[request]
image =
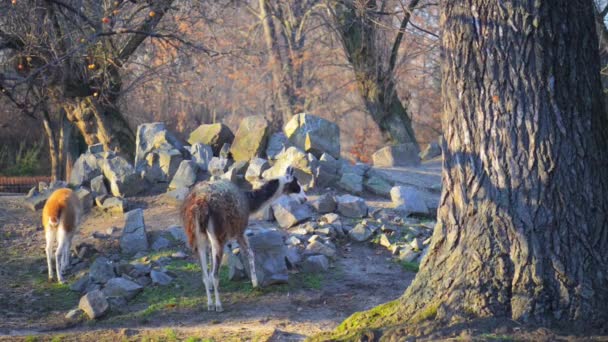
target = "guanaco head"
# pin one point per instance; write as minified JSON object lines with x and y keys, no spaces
{"x":292,"y":186}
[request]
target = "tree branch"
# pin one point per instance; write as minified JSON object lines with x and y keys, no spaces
{"x":395,"y":50}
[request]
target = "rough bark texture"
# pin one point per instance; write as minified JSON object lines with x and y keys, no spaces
{"x":522,"y":228}
{"x":356,"y":26}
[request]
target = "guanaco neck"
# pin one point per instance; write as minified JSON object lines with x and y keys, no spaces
{"x":261,"y":197}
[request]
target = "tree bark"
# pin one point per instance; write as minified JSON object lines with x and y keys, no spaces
{"x":522,"y":228}
{"x":356,"y":27}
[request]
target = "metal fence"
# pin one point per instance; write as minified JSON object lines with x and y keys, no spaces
{"x":20,"y":184}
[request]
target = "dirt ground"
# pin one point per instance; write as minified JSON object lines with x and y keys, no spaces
{"x":362,"y":277}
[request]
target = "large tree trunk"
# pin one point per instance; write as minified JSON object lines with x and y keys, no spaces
{"x":357,"y":28}
{"x":522,"y":228}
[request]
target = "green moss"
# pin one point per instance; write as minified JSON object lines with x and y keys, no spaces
{"x":31,"y":339}
{"x":410,"y":266}
{"x":429,"y":312}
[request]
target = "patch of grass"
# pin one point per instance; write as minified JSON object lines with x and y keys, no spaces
{"x":410,"y":266}
{"x":171,"y":335}
{"x":57,"y":338}
{"x":311,"y":280}
{"x":31,"y":339}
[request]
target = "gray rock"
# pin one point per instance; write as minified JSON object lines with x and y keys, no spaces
{"x":218,"y":166}
{"x":352,"y":183}
{"x":168,"y":163}
{"x":160,"y":243}
{"x":236,"y":269}
{"x":176,"y":196}
{"x":397,"y":155}
{"x":85,"y":168}
{"x":331,"y":218}
{"x":160,"y":278}
{"x":80,"y":284}
{"x":407,"y":254}
{"x":318,"y":247}
{"x":153,"y":137}
{"x":117,"y":304}
{"x":185,"y":176}
{"x":360,"y":233}
{"x":351,"y":206}
{"x":94,"y":304}
{"x":384,"y":241}
{"x":144,"y":281}
{"x":408,"y":200}
{"x":256,"y":167}
{"x":178,"y":234}
{"x":98,"y":187}
{"x":121,"y":176}
{"x":293,"y":241}
{"x":270,"y":255}
{"x":431,"y":151}
{"x":416,"y":244}
{"x":304,"y":168}
{"x":33,"y":192}
{"x":324,"y":204}
{"x":313,"y":134}
{"x":201,"y":155}
{"x":358,"y":169}
{"x":289,"y":212}
{"x":377,"y":185}
{"x":134,"y":238}
{"x":121,"y":287}
{"x":86,"y":199}
{"x":250,"y":139}
{"x":293,"y":257}
{"x":74,"y":314}
{"x":112,"y":204}
{"x":214,"y":135}
{"x":315,"y":264}
{"x":101,"y":271}
{"x":37,"y":202}
{"x":277,"y":143}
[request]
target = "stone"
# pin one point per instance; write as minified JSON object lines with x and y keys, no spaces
{"x":352,"y":183}
{"x":185,"y":176}
{"x":160,"y":278}
{"x":177,"y":232}
{"x":250,"y":139}
{"x":330,"y":218}
{"x":214,"y":135}
{"x":292,"y":257}
{"x":85,"y":168}
{"x":160,"y":243}
{"x":360,"y":233}
{"x":98,"y":186}
{"x":416,"y":244}
{"x":86,"y":198}
{"x":37,"y":202}
{"x":134,"y":238}
{"x":358,"y":169}
{"x":431,"y":151}
{"x":218,"y":166}
{"x":277,"y":143}
{"x":315,"y":264}
{"x":304,"y":169}
{"x":236,"y":269}
{"x":121,"y":287}
{"x":225,"y":152}
{"x":123,"y":179}
{"x":33,"y":192}
{"x":270,"y":255}
{"x":113,"y":204}
{"x":378,"y":185}
{"x":384,"y":241}
{"x":140,"y":270}
{"x":176,"y":196}
{"x":74,"y":314}
{"x":324,"y":204}
{"x":144,"y":281}
{"x":318,"y":247}
{"x":408,"y":200}
{"x":154,"y":138}
{"x":293,"y":241}
{"x":313,"y":134}
{"x":289,"y":212}
{"x":352,"y":206}
{"x":101,"y":271}
{"x":407,"y":254}
{"x":201,"y":155}
{"x":397,"y":155}
{"x":94,"y":304}
{"x":80,"y":284}
{"x":257,"y":166}
{"x":168,"y":163}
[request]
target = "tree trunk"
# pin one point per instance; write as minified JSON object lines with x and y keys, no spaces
{"x":357,"y":28}
{"x":522,"y":228}
{"x":101,"y":124}
{"x":53,"y":150}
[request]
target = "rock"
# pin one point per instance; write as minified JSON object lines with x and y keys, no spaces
{"x":134,"y":238}
{"x":185,"y":176}
{"x":33,"y":192}
{"x":117,"y":304}
{"x":351,"y":206}
{"x":352,"y":183}
{"x":250,"y":139}
{"x":256,"y":167}
{"x":289,"y":212}
{"x":113,"y":204}
{"x":270,"y":255}
{"x":327,"y":231}
{"x":313,"y":134}
{"x":360,"y":233}
{"x":324,"y":204}
{"x":358,"y":169}
{"x":121,"y":287}
{"x":80,"y":285}
{"x":378,"y":185}
{"x":94,"y":304}
{"x":201,"y":155}
{"x":407,"y":254}
{"x":293,"y":241}
{"x":416,"y":244}
{"x":168,"y":163}
{"x":293,"y":257}
{"x":98,"y":186}
{"x":37,"y":202}
{"x":218,"y":166}
{"x":236,"y":269}
{"x":384,"y":241}
{"x":121,"y":176}
{"x":318,"y":247}
{"x":330,"y":218}
{"x":74,"y":314}
{"x":86,"y":199}
{"x":101,"y":271}
{"x":277,"y":143}
{"x":176,"y":196}
{"x":408,"y":200}
{"x":214,"y":135}
{"x":140,"y":270}
{"x":397,"y":155}
{"x":160,"y":278}
{"x":304,"y":168}
{"x":179,"y":255}
{"x":431,"y":151}
{"x":315,"y":263}
{"x":144,"y":281}
{"x":85,"y":168}
{"x":153,"y":138}
{"x":178,"y":234}
{"x":160,"y":243}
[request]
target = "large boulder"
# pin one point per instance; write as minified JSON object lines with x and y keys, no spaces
{"x":84,"y":170}
{"x":377,"y":184}
{"x":304,"y":166}
{"x":153,"y":137}
{"x":270,"y":253}
{"x":214,"y":135}
{"x":121,"y":287}
{"x":351,"y":182}
{"x":98,"y":186}
{"x":409,"y":200}
{"x":313,"y":134}
{"x":134,"y":238}
{"x":185,"y":175}
{"x":257,"y":166}
{"x":250,"y":139}
{"x":94,"y":304}
{"x":328,"y":171}
{"x":123,"y":179}
{"x":315,"y":264}
{"x":397,"y":155}
{"x":289,"y":212}
{"x":201,"y":155}
{"x":86,"y":198}
{"x":324,"y":204}
{"x":277,"y":143}
{"x":352,"y":206}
